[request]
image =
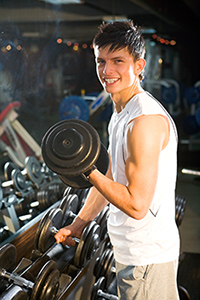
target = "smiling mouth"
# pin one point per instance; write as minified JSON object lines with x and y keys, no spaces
{"x":110,"y":80}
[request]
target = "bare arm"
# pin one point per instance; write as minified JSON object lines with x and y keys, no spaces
{"x":95,"y":202}
{"x":146,"y":138}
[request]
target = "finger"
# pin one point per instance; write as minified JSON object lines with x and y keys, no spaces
{"x":61,"y":235}
{"x":69,"y":241}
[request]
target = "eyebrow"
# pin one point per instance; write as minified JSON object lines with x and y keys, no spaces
{"x":113,"y":58}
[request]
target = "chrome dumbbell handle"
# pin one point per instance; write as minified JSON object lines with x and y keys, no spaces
{"x":100,"y":293}
{"x":16,"y":279}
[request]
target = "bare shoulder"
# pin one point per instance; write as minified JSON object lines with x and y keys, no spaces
{"x":151,"y":128}
{"x":150,"y":120}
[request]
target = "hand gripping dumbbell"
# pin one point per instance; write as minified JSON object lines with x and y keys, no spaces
{"x":45,"y":285}
{"x":105,"y":266}
{"x":98,"y":291}
{"x":68,"y":206}
{"x":71,"y":149}
{"x":50,"y":224}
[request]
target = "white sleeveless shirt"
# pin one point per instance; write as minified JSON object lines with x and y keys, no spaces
{"x":155,"y":238}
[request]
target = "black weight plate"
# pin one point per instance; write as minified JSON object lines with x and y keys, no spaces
{"x":109,"y":263}
{"x":70,"y":147}
{"x":67,"y":191}
{"x":77,"y":256}
{"x":93,"y":241}
{"x":46,"y":238}
{"x":51,"y":286}
{"x":20,"y":295}
{"x":40,"y":226}
{"x":14,"y":292}
{"x":89,"y":242}
{"x":33,"y":169}
{"x":100,"y":266}
{"x":102,"y":221}
{"x":79,"y":181}
{"x":41,"y":278}
{"x":68,"y":205}
{"x":8,"y":168}
{"x":8,"y":255}
{"x":96,"y":270}
{"x":99,"y":285}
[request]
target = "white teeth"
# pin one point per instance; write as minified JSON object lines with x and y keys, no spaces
{"x":110,"y":80}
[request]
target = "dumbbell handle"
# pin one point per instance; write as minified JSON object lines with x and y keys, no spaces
{"x":100,"y":293}
{"x":16,"y":279}
{"x":54,"y":230}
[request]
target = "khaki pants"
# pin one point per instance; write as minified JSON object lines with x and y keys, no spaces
{"x":151,"y":282}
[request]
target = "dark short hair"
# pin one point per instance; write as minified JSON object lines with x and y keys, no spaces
{"x":119,"y":35}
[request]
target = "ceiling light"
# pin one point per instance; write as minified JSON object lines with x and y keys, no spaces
{"x":58,"y":2}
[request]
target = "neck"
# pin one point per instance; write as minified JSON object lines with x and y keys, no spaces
{"x":122,"y":98}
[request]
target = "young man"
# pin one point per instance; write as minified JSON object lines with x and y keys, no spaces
{"x":140,"y":182}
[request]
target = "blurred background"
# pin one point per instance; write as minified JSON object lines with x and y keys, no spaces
{"x":46,"y":57}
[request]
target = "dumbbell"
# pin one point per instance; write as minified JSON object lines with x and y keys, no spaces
{"x":101,"y":219}
{"x":71,"y":148}
{"x":68,"y":205}
{"x":46,"y":284}
{"x":17,"y":182}
{"x":32,"y":170}
{"x":98,"y":293}
{"x":50,"y":224}
{"x":180,"y":205}
{"x":105,"y":266}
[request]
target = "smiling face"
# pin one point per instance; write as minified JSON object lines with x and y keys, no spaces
{"x":117,"y":72}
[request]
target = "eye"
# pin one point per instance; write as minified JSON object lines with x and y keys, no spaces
{"x":100,"y":61}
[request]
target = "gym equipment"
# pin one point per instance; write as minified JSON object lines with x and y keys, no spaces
{"x":98,"y":293}
{"x":14,"y":138}
{"x":101,"y":219}
{"x":49,"y":226}
{"x":67,"y":210}
{"x":18,"y":183}
{"x":192,"y":95}
{"x":71,"y":148}
{"x":46,"y":284}
{"x":180,"y":205}
{"x":190,"y":125}
{"x":14,"y":292}
{"x":8,"y":254}
{"x":31,"y":172}
{"x":168,"y":91}
{"x":69,"y":207}
{"x":74,"y":107}
{"x":183,"y":293}
{"x":197,"y":116}
{"x":105,"y":266}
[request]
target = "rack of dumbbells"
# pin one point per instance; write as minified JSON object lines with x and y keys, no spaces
{"x":52,"y":270}
{"x":24,"y":194}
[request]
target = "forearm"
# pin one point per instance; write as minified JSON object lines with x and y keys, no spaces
{"x":94,"y":203}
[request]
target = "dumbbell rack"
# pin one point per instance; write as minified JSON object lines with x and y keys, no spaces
{"x":73,"y":280}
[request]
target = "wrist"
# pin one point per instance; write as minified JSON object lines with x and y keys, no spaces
{"x":87,"y":173}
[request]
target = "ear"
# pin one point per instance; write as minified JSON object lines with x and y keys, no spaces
{"x":139,"y":66}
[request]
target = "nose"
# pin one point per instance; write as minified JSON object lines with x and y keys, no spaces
{"x":107,"y":68}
